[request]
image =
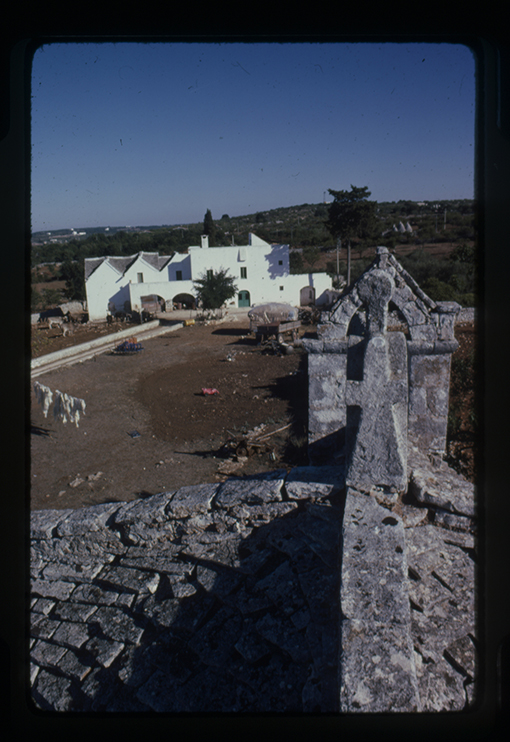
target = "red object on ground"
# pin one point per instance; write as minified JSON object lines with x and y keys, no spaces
{"x":209,"y":391}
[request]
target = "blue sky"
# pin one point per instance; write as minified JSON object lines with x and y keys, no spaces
{"x":132,"y":134}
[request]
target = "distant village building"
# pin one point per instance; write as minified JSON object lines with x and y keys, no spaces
{"x":261,"y":271}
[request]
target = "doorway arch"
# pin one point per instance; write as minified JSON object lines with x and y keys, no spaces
{"x":184,"y":301}
{"x":307,"y":296}
{"x":243,"y":299}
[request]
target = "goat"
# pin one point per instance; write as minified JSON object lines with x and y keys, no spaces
{"x":59,"y":322}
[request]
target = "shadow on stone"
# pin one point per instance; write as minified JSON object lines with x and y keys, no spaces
{"x":229,"y":618}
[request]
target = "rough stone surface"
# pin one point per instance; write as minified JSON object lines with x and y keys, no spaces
{"x":441,"y":487}
{"x":213,"y":598}
{"x":335,"y":358}
{"x":377,"y":665}
{"x":377,"y":450}
{"x":221,"y":614}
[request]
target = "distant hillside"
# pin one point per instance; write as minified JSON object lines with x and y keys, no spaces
{"x":298,"y":226}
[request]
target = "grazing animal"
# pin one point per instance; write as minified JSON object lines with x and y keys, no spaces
{"x":59,"y":322}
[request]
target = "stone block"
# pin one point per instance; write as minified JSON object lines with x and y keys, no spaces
{"x":376,"y":646}
{"x":126,"y":578}
{"x":373,"y":535}
{"x":88,"y":519}
{"x":75,"y":612}
{"x":305,"y":482}
{"x":46,"y":654}
{"x":95,"y":595}
{"x":446,"y":491}
{"x":52,"y":692}
{"x":117,"y":625}
{"x":52,"y":589}
{"x":326,"y":391}
{"x":429,"y":371}
{"x":44,"y":523}
{"x":192,"y":500}
{"x":149,"y":511}
{"x":441,"y":687}
{"x":251,"y":490}
{"x":77,"y":573}
{"x":377,"y":450}
{"x":74,"y":667}
{"x":71,"y":634}
{"x":251,"y":645}
{"x":377,"y":669}
{"x":103,"y":651}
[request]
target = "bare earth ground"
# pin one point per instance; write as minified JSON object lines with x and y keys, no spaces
{"x":184,"y":437}
{"x":158,"y":393}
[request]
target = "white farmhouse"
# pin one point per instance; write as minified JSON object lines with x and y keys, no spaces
{"x":261,"y":272}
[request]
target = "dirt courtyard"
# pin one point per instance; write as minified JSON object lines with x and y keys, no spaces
{"x":148,"y":428}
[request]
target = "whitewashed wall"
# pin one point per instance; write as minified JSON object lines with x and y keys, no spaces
{"x":267,"y":279}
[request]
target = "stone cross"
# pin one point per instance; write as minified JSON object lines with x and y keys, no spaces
{"x":377,"y":450}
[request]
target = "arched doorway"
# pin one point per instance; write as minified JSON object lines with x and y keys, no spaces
{"x":184,"y":301}
{"x":243,"y":299}
{"x":152,"y":303}
{"x":307,"y":296}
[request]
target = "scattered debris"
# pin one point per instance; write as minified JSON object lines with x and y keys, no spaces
{"x":76,"y":481}
{"x":238,"y":449}
{"x":93,"y":477}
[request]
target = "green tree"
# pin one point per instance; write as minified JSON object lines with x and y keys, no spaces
{"x":73,"y":273}
{"x":311,"y":255}
{"x":213,"y":289}
{"x":210,"y":228}
{"x":351,"y":215}
{"x":52,"y":298}
{"x":36,"y":300}
{"x":296,"y":262}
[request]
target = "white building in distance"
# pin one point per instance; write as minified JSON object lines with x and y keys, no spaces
{"x":261,"y":272}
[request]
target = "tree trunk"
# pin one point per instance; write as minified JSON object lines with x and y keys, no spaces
{"x":348,"y":262}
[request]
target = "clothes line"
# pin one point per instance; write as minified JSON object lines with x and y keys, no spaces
{"x":65,"y":408}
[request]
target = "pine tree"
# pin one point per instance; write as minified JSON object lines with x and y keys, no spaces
{"x":210,"y":228}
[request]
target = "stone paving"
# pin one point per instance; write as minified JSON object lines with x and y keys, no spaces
{"x":225,"y":597}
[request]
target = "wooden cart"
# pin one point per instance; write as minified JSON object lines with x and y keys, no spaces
{"x":278,"y":330}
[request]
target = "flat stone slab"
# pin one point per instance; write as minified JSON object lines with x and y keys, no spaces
{"x":88,"y":519}
{"x":304,"y":482}
{"x":378,"y":672}
{"x":192,"y":500}
{"x":43,"y":523}
{"x":376,"y":617}
{"x":251,"y":490}
{"x":440,"y":488}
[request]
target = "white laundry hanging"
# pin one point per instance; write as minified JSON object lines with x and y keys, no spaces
{"x":68,"y":408}
{"x":44,"y":396}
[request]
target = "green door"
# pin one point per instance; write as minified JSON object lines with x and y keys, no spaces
{"x":244,"y":299}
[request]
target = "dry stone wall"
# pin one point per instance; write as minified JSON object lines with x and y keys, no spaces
{"x":226,"y":598}
{"x":372,"y":394}
{"x":344,"y":587}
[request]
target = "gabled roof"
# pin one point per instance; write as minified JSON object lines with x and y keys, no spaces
{"x":122,"y":263}
{"x":90,"y":265}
